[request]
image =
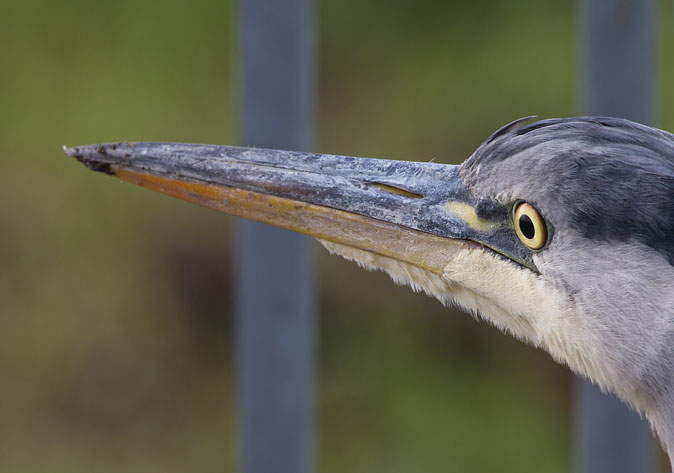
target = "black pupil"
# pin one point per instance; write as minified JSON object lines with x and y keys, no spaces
{"x":527,"y":227}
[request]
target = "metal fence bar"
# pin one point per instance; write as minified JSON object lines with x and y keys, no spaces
{"x":618,"y":61}
{"x":275,"y":321}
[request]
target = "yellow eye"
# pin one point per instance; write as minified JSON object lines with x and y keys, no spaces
{"x":530,"y":226}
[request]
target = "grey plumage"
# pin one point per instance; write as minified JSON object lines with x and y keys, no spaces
{"x":610,"y":178}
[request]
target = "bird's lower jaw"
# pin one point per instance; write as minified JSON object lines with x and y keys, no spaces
{"x":429,"y":253}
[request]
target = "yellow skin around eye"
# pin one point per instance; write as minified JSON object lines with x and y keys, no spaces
{"x":540,"y":232}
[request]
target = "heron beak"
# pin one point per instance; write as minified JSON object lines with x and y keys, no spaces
{"x":409,"y":211}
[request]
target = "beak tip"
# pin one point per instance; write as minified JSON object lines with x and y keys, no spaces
{"x":73,"y":152}
{"x":88,"y":158}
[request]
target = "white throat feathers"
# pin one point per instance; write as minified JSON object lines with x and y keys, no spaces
{"x":538,"y":310}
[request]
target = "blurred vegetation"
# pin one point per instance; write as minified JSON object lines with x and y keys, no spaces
{"x":115,"y":323}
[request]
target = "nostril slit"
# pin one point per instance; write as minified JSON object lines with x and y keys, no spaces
{"x":397,"y":190}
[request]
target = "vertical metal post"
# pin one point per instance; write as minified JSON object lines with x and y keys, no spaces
{"x":618,"y":60}
{"x":275,"y":322}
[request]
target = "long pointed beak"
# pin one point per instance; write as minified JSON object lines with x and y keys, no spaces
{"x":409,"y":211}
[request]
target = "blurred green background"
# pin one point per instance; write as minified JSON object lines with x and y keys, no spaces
{"x":115,"y":303}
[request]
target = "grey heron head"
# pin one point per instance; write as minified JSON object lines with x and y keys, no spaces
{"x":560,"y":232}
{"x":605,"y":189}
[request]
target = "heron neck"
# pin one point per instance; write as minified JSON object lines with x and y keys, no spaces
{"x":663,"y":422}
